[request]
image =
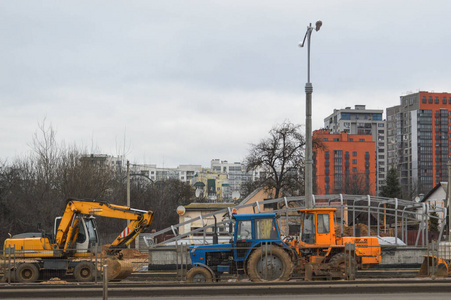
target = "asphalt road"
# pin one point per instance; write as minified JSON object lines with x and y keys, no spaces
{"x":398,"y":296}
{"x":412,"y":289}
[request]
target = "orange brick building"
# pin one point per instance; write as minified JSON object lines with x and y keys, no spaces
{"x":346,"y":165}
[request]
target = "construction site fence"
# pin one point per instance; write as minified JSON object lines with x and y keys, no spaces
{"x":381,"y":216}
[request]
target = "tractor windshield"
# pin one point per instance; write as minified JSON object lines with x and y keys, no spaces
{"x":244,"y":231}
{"x":265,"y":229}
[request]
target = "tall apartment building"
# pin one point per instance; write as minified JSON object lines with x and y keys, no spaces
{"x":418,"y":139}
{"x":346,"y":165}
{"x":363,"y":121}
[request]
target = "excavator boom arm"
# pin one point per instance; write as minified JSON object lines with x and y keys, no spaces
{"x":139,"y":220}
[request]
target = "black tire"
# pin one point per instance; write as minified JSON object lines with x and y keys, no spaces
{"x":27,"y":273}
{"x":199,"y":275}
{"x":338,"y":262}
{"x":84,"y":272}
{"x":269,"y":264}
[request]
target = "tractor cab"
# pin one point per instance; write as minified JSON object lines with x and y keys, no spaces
{"x":252,"y":230}
{"x":317,"y":227}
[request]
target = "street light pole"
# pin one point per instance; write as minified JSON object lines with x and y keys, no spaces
{"x":308,"y":122}
{"x":449,"y":198}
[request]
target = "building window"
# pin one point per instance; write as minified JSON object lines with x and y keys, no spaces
{"x":444,"y":100}
{"x":325,"y":139}
{"x":354,"y":161}
{"x":430,"y":100}
{"x":436,"y":100}
{"x":354,"y":153}
{"x":377,"y":117}
{"x":424,"y":99}
{"x":361,"y":140}
{"x":351,"y":140}
{"x":336,"y":140}
{"x":345,"y":116}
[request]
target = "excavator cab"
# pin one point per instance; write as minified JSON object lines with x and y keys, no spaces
{"x":85,"y":233}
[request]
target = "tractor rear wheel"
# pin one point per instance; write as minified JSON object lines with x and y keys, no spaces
{"x":199,"y":275}
{"x":27,"y":273}
{"x":269,"y":264}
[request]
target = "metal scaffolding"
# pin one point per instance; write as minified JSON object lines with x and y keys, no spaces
{"x":382,"y":216}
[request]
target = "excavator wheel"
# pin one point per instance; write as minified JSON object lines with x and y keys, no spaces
{"x":84,"y":272}
{"x":269,"y":264}
{"x":118,"y":269}
{"x":199,"y":275}
{"x":27,"y":273}
{"x":338,"y":263}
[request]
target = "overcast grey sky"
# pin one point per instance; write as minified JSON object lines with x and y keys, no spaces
{"x":184,"y":82}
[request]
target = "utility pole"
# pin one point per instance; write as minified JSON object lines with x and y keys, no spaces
{"x":128,"y":192}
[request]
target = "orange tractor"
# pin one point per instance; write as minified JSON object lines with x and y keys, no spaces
{"x":322,"y":253}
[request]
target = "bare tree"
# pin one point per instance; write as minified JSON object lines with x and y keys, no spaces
{"x":282,"y":157}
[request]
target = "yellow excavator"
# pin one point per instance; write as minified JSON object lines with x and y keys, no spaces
{"x":73,"y":240}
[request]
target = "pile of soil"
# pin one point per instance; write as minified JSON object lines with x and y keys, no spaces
{"x":55,"y":280}
{"x":347,"y":230}
{"x":133,"y":253}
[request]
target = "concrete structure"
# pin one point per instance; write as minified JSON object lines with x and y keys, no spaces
{"x":346,"y":166}
{"x":418,"y":139}
{"x":363,"y":121}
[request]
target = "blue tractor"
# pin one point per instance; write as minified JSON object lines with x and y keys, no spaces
{"x":255,"y":250}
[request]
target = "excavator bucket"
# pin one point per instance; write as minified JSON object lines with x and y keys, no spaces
{"x":118,"y":269}
{"x":432,"y":265}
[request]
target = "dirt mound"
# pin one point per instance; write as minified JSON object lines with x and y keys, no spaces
{"x":348,"y":231}
{"x":55,"y":280}
{"x":133,"y":253}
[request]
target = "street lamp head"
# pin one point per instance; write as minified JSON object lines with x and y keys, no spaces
{"x":318,"y":25}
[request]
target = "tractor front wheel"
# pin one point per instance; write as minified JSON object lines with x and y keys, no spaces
{"x":270,"y":263}
{"x":199,"y":275}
